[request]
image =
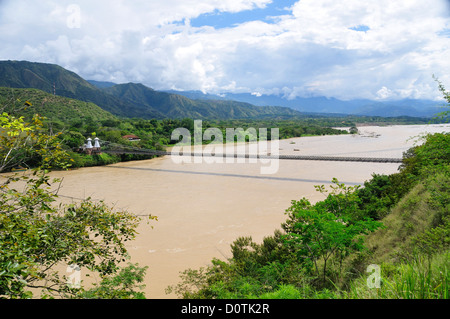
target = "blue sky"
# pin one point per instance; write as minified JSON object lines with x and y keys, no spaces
{"x":345,"y":49}
{"x":362,"y":28}
{"x":219,"y":19}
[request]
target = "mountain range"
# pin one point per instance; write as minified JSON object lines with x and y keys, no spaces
{"x":138,"y":100}
{"x":130,"y":99}
{"x":326,"y":105}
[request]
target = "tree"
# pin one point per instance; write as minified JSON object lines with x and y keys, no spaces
{"x":123,"y":285}
{"x":444,"y":115}
{"x":353,"y":130}
{"x":433,"y":153}
{"x":329,"y":228}
{"x":24,"y":143}
{"x":73,"y":139}
{"x":377,"y":196}
{"x":35,"y":234}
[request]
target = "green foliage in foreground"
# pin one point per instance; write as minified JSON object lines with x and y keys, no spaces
{"x":37,"y":237}
{"x":399,"y":222}
{"x":126,"y":284}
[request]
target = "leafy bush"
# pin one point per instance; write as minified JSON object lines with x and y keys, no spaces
{"x":123,"y":285}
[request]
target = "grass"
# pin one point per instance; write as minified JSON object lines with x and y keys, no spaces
{"x":413,"y":247}
{"x":421,"y":278}
{"x":410,"y":217}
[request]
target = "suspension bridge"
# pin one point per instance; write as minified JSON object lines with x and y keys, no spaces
{"x":112,"y":148}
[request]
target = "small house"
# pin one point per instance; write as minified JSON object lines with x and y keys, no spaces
{"x":131,"y":137}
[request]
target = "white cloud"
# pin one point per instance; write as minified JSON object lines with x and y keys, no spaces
{"x":384,"y":93}
{"x":313,"y":50}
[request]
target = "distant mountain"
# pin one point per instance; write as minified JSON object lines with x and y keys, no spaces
{"x":101,"y":84}
{"x":127,"y":100}
{"x":415,"y":108}
{"x":405,"y":107}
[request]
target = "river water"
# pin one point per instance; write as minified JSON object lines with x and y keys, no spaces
{"x":202,"y":207}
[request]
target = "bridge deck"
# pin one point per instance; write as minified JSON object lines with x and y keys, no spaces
{"x":282,"y":157}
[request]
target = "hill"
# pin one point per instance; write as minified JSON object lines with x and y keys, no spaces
{"x":178,"y":106}
{"x":55,"y":108}
{"x":52,"y":78}
{"x":127,"y":100}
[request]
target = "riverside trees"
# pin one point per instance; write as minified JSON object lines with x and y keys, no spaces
{"x":331,"y":228}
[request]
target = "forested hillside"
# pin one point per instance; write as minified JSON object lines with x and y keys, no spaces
{"x":59,"y":110}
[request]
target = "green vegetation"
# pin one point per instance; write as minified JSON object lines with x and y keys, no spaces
{"x":176,"y":106}
{"x":57,"y":109}
{"x":52,"y":78}
{"x":444,"y":115}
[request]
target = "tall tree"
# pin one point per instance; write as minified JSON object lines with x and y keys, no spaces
{"x":329,"y":228}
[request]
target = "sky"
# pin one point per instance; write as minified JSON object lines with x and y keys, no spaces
{"x":346,"y":49}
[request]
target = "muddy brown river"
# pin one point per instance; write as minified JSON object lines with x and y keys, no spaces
{"x":202,"y":207}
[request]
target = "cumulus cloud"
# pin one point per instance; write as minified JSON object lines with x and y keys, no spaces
{"x":345,"y":49}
